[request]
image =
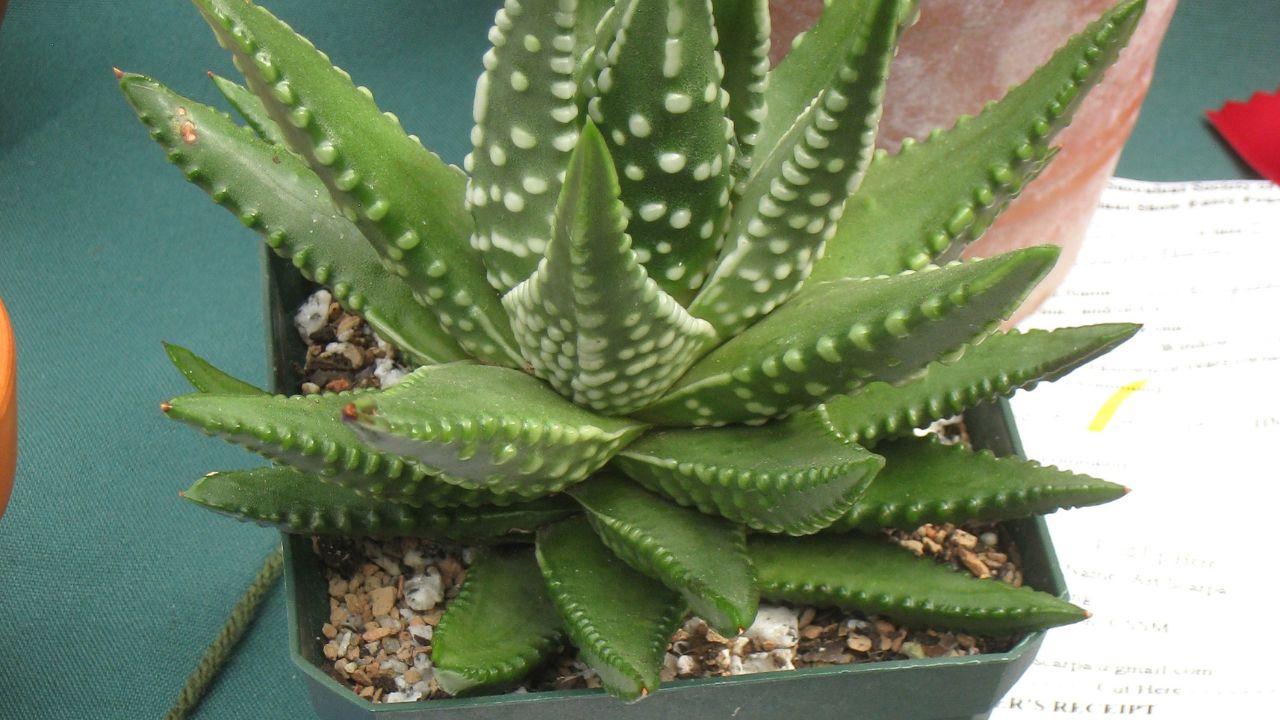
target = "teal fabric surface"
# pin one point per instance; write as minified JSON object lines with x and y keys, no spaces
{"x":1215,"y":51}
{"x":110,"y":585}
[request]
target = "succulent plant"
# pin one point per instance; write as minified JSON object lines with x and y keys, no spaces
{"x":674,"y":324}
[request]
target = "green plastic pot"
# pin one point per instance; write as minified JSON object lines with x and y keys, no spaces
{"x":933,"y":689}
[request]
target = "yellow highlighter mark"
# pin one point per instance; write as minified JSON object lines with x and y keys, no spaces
{"x":1112,"y":404}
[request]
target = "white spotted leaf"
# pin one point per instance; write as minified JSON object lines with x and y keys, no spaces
{"x":619,"y":619}
{"x":791,"y":476}
{"x":994,"y":368}
{"x":927,"y":202}
{"x":742,"y":27}
{"x":925,"y":481}
{"x":702,"y":557}
{"x":590,"y":321}
{"x":796,"y":192}
{"x":658,"y":101}
{"x":406,"y":201}
{"x":526,"y":124}
{"x":489,"y":428}
{"x":833,"y":337}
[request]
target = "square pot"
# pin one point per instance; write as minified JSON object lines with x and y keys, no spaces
{"x":931,"y":689}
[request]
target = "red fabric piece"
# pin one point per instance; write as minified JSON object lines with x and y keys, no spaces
{"x":1252,"y":128}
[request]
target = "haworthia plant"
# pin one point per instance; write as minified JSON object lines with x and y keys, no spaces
{"x":675,"y":298}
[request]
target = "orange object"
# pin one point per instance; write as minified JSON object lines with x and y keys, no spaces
{"x":8,"y":408}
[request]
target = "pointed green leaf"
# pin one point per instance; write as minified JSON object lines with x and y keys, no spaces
{"x":814,"y":61}
{"x":873,"y":576}
{"x":590,"y":13}
{"x":307,"y":432}
{"x":742,"y":30}
{"x":206,"y":378}
{"x":526,"y":123}
{"x":491,"y":428}
{"x":790,"y":476}
{"x":501,"y":625}
{"x":796,"y":193}
{"x":996,"y":367}
{"x":925,"y":481}
{"x":298,"y":502}
{"x":249,"y":107}
{"x":659,"y":104}
{"x":619,"y":619}
{"x":835,"y":336}
{"x":595,"y":57}
{"x":406,"y":201}
{"x":273,"y":192}
{"x":701,"y":557}
{"x":929,"y":201}
{"x":590,"y":320}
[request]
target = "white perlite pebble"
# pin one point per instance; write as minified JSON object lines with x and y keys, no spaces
{"x":399,"y":697}
{"x":313,"y":314}
{"x":422,"y":632}
{"x":414,"y":559}
{"x":387,"y":372}
{"x":686,"y":664}
{"x":423,"y":592}
{"x":779,"y":659}
{"x":775,"y":625}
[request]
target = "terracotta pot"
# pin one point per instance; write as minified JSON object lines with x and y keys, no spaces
{"x":8,"y":409}
{"x":963,"y":53}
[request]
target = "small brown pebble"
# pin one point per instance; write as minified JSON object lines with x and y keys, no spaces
{"x":348,"y":326}
{"x":383,"y":600}
{"x":381,"y":652}
{"x":915,"y":546}
{"x":338,"y":385}
{"x":353,"y":355}
{"x":355,"y":605}
{"x":934,"y":651}
{"x":975,"y":566}
{"x":806,"y":617}
{"x":964,"y":539}
{"x":715,"y":637}
{"x":858,"y":643}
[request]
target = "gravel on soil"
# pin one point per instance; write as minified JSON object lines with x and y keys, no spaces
{"x":387,"y":596}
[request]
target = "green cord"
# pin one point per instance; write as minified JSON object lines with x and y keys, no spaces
{"x":219,"y":651}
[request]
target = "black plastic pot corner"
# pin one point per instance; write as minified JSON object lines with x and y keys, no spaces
{"x":932,"y":689}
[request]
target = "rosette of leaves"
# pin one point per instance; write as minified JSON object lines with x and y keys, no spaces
{"x":675,"y":321}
